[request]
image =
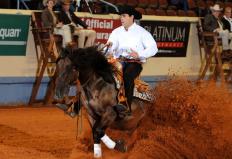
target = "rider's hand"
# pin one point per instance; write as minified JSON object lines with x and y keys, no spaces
{"x":109,"y":56}
{"x":134,"y":54}
{"x":217,"y":30}
{"x":59,"y":25}
{"x":109,"y":44}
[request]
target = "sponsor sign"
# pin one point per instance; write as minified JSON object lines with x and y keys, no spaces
{"x":103,"y":27}
{"x":13,"y":34}
{"x":171,"y":37}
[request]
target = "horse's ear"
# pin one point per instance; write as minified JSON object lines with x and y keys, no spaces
{"x":64,"y":53}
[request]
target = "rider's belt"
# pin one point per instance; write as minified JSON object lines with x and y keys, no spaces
{"x":124,"y":59}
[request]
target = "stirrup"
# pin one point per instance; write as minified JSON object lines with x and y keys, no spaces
{"x":122,"y":111}
{"x":128,"y":111}
{"x":120,"y":107}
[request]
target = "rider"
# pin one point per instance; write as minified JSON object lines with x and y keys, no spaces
{"x":131,"y":41}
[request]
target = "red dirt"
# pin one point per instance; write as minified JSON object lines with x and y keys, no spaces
{"x":187,"y":120}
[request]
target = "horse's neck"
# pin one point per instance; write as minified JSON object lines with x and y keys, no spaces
{"x":86,"y":82}
{"x":86,"y":77}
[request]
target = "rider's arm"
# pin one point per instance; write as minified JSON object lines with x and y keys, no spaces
{"x":113,"y":41}
{"x":149,"y":45}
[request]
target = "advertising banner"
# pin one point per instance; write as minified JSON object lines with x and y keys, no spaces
{"x":13,"y":34}
{"x":171,"y":37}
{"x":103,"y":27}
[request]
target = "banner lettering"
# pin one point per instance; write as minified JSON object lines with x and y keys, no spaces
{"x":13,"y":34}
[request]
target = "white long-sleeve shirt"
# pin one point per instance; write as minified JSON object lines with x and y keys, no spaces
{"x":135,"y":38}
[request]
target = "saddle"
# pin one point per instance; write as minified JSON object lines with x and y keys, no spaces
{"x":142,"y":89}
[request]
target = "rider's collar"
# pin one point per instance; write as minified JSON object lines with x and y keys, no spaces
{"x":130,"y":27}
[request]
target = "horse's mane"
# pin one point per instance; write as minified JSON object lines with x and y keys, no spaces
{"x":90,"y":60}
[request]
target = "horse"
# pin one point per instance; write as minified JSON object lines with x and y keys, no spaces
{"x":91,"y":69}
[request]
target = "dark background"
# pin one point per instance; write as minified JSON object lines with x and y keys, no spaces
{"x":12,"y":4}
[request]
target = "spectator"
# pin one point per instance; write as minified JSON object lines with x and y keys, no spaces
{"x":49,"y":19}
{"x":58,"y":6}
{"x":78,"y":27}
{"x":227,"y":25}
{"x":227,"y":20}
{"x":212,"y":23}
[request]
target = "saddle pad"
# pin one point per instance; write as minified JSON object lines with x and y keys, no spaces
{"x":144,"y":95}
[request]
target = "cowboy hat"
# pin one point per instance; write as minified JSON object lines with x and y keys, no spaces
{"x":65,"y":2}
{"x":216,"y":7}
{"x":130,"y":11}
{"x":46,"y":1}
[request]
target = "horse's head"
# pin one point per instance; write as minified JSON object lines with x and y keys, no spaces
{"x":85,"y":63}
{"x":66,"y":75}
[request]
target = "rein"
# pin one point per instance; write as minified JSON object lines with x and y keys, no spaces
{"x":123,"y":59}
{"x":82,"y":97}
{"x":86,"y":82}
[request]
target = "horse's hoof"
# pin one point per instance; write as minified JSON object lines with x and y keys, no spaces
{"x":63,"y":107}
{"x":71,"y":114}
{"x":120,"y":146}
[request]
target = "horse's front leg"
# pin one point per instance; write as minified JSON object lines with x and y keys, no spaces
{"x":99,"y":128}
{"x":107,"y":118}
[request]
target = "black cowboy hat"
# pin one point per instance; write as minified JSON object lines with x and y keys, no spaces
{"x":130,"y":11}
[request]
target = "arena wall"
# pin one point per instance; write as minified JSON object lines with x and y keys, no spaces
{"x":17,"y":73}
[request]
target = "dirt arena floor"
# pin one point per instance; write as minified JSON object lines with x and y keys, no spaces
{"x":187,"y":121}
